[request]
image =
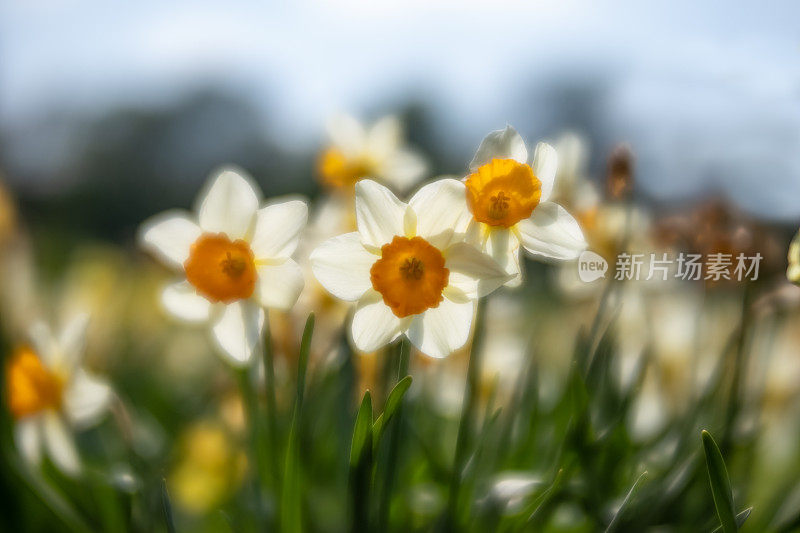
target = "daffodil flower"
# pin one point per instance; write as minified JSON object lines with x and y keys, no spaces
{"x":49,"y":394}
{"x":407,"y":268}
{"x":236,"y":259}
{"x":377,"y":152}
{"x":508,"y":200}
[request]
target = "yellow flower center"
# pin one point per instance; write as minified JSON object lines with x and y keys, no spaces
{"x":410,"y":275}
{"x":336,"y":170}
{"x":220,"y":269}
{"x":503,"y":192}
{"x":30,"y":386}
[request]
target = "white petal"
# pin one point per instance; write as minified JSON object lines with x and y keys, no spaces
{"x":170,"y":236}
{"x":280,"y":285}
{"x":230,"y":205}
{"x":44,"y":343}
{"x":278,"y":228}
{"x":545,"y":165}
{"x":60,"y":444}
{"x":440,"y":331}
{"x":28,"y":439}
{"x":346,"y":133}
{"x":379,"y":214}
{"x":238,"y":331}
{"x":442,"y":211}
{"x":73,"y":339}
{"x":472,"y":271}
{"x":374,"y":324}
{"x":182,"y":301}
{"x":342,"y":266}
{"x":86,"y":399}
{"x":384,"y":137}
{"x":503,"y":246}
{"x":552,"y":232}
{"x":402,"y":169}
{"x":500,"y":144}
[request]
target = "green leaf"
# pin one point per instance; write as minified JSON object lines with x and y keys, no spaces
{"x":291,"y":501}
{"x":392,"y":405}
{"x":167,"y":506}
{"x":741,"y":518}
{"x":615,"y":521}
{"x":361,"y":466}
{"x":720,"y":484}
{"x":302,"y":363}
{"x":362,"y":433}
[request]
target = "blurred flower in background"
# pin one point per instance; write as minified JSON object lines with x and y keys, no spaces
{"x":49,"y":394}
{"x":8,"y":214}
{"x":376,"y":151}
{"x":210,"y":467}
{"x":793,"y":271}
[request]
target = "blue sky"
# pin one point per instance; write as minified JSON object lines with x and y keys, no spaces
{"x":708,"y":92}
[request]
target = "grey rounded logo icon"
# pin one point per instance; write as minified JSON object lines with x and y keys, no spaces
{"x":591,"y":266}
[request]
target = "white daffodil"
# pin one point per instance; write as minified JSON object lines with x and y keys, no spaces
{"x":49,"y":394}
{"x":236,"y":259}
{"x":508,"y":201}
{"x":407,"y":268}
{"x":377,"y":152}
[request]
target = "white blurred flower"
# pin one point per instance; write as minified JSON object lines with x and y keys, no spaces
{"x":509,"y":490}
{"x":793,"y":272}
{"x":376,"y":152}
{"x":505,"y":345}
{"x":49,"y":394}
{"x":236,"y":259}
{"x":332,"y":216}
{"x":509,"y":203}
{"x":407,"y":268}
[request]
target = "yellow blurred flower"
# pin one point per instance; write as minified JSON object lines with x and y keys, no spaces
{"x":210,"y":468}
{"x":8,"y":214}
{"x":377,"y":152}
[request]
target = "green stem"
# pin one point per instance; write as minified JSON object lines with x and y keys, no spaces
{"x":733,"y":405}
{"x":272,"y":416}
{"x":252,"y":420}
{"x":394,"y":442}
{"x":465,"y":424}
{"x":291,"y":513}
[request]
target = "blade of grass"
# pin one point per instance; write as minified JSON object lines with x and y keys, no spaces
{"x":612,"y":526}
{"x":393,"y":409}
{"x":167,"y":507}
{"x":291,"y":504}
{"x":720,"y":483}
{"x":465,"y":423}
{"x":53,"y":499}
{"x":741,"y":518}
{"x":540,"y":504}
{"x":361,"y":466}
